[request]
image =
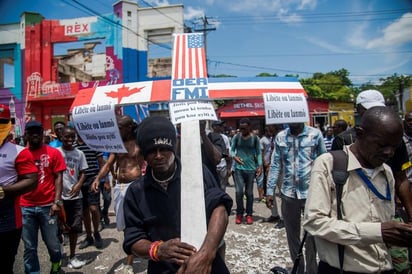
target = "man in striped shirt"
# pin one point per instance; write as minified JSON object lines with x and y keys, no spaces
{"x":91,"y":199}
{"x":328,"y":139}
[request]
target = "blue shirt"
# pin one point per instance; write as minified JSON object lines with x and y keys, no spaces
{"x":248,"y":150}
{"x":293,"y":156}
{"x":56,"y":143}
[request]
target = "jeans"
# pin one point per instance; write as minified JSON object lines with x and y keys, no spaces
{"x":107,"y":199}
{"x":9,"y":245}
{"x":244,"y":185}
{"x":292,"y":210}
{"x":36,"y":217}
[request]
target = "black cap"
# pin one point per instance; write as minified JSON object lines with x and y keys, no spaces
{"x":218,"y":123}
{"x":155,"y":132}
{"x":33,"y":124}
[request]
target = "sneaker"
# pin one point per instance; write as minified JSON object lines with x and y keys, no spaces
{"x":280,"y":224}
{"x":249,"y":219}
{"x":128,"y":269}
{"x":86,"y":242}
{"x":101,"y":225}
{"x":55,"y":268}
{"x":98,"y":242}
{"x":239,"y":218}
{"x":76,"y":263}
{"x":271,"y":219}
{"x":106,"y":220}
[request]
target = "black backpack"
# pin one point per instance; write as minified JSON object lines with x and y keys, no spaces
{"x":340,"y":175}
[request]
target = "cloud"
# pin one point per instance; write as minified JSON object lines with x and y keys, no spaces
{"x":396,"y":34}
{"x":258,"y":7}
{"x":284,"y":10}
{"x":307,"y":4}
{"x":284,"y":16}
{"x":193,"y":13}
{"x":357,"y":36}
{"x":209,"y":2}
{"x":325,"y":45}
{"x":158,"y":3}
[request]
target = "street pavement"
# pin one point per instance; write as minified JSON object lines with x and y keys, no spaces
{"x":250,"y":249}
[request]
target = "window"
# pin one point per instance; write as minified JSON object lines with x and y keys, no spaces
{"x":81,"y":61}
{"x":7,"y":68}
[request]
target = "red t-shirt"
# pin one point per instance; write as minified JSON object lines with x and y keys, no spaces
{"x":49,"y":161}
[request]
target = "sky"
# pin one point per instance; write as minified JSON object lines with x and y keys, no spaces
{"x":370,"y":39}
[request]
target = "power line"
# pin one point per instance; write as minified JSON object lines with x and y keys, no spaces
{"x":115,"y":23}
{"x":162,"y":13}
{"x":313,"y":54}
{"x":284,"y":70}
{"x":365,"y":16}
{"x":217,"y":63}
{"x":280,"y":22}
{"x":205,"y":29}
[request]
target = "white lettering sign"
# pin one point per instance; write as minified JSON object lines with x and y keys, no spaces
{"x":281,"y":108}
{"x":97,"y":126}
{"x":191,"y":111}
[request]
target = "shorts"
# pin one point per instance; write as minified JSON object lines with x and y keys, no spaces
{"x":119,"y":192}
{"x":260,"y":179}
{"x":74,"y":212}
{"x":90,"y":197}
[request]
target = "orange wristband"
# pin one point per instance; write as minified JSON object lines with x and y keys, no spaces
{"x":153,"y":250}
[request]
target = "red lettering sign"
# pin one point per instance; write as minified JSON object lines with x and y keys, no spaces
{"x":77,"y":29}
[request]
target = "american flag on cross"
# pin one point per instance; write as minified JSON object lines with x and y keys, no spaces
{"x":189,"y":59}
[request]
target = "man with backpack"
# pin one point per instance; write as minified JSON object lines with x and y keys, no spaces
{"x":246,"y":153}
{"x":365,"y":228}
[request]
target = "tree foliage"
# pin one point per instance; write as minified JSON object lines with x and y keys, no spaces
{"x":266,"y":74}
{"x":222,"y":76}
{"x":334,"y":85}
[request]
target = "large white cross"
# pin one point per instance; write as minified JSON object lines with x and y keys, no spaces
{"x":189,"y":85}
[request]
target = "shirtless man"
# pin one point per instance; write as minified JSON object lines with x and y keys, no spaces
{"x":125,"y":168}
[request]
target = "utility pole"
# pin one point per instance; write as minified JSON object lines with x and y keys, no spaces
{"x":205,"y":29}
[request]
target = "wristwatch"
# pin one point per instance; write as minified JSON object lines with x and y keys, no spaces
{"x":59,"y":203}
{"x":1,"y":193}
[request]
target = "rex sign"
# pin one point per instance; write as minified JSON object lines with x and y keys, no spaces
{"x":79,"y":26}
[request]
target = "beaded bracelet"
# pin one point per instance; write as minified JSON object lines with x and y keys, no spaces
{"x":153,"y":250}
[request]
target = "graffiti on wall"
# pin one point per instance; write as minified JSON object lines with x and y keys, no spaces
{"x":36,"y":88}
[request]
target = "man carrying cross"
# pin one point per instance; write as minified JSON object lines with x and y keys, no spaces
{"x":153,"y":212}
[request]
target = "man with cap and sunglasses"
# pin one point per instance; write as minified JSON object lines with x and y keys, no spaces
{"x":152,"y":208}
{"x":41,"y":206}
{"x":18,"y":175}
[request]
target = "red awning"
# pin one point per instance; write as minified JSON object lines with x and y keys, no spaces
{"x":242,"y":114}
{"x":242,"y":108}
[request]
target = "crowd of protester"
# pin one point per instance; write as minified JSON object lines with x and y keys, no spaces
{"x":289,"y":166}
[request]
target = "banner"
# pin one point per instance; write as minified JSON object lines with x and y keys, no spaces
{"x":281,"y":108}
{"x":97,"y":126}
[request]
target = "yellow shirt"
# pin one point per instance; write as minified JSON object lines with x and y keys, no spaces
{"x":362,"y":214}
